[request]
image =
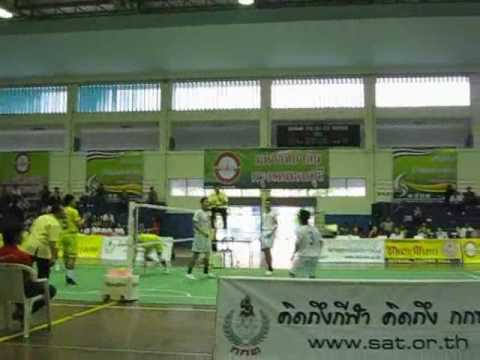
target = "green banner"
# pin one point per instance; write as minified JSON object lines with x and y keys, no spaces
{"x":27,"y":170}
{"x":420,"y":174}
{"x":267,"y":168}
{"x":117,"y":171}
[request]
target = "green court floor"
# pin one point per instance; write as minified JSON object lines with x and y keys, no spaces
{"x":157,"y":287}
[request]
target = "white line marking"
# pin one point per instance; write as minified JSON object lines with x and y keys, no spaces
{"x":115,"y":350}
{"x":472,"y":275}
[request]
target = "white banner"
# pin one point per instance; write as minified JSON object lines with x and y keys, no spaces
{"x":271,"y":319}
{"x":351,"y":250}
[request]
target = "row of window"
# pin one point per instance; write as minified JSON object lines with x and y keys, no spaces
{"x":339,"y":187}
{"x":312,"y":93}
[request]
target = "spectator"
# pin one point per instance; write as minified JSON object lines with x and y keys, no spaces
{"x":218,"y":202}
{"x":152,"y":196}
{"x":100,"y":200}
{"x":356,"y":230}
{"x":374,"y":232}
{"x":12,"y":254}
{"x":397,"y":234}
{"x":387,"y":226}
{"x":424,"y":231}
{"x":440,"y":234}
{"x":417,"y":216}
{"x":456,"y":202}
{"x":449,"y":192}
{"x":45,"y":196}
{"x":469,"y":197}
{"x":57,"y":195}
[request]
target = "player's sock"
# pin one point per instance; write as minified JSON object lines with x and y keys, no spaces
{"x":205,"y":269}
{"x":189,"y":271}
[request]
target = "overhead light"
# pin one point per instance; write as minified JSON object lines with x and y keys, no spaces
{"x":5,"y":14}
{"x":246,"y":2}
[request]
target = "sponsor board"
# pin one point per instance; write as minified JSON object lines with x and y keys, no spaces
{"x":353,"y":251}
{"x":288,"y":319}
{"x":423,"y":250}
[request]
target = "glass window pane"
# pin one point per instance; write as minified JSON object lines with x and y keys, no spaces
{"x":317,"y":93}
{"x":216,"y":95}
{"x":288,"y":193}
{"x":338,"y":187}
{"x":318,"y":192}
{"x":119,"y":98}
{"x":33,"y":100}
{"x":178,"y":187}
{"x":251,"y":193}
{"x":233,"y":192}
{"x":356,"y":187}
{"x":422,"y":91}
{"x":195,"y":187}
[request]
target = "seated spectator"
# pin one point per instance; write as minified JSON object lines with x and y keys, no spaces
{"x":397,"y":234}
{"x":457,"y":202}
{"x":469,"y":197}
{"x":449,"y":192}
{"x":387,"y":226}
{"x":356,"y":231}
{"x":440,"y":234}
{"x":424,"y":231}
{"x":45,"y":196}
{"x":417,"y":216}
{"x":10,"y":253}
{"x":152,"y":197}
{"x":374,"y":232}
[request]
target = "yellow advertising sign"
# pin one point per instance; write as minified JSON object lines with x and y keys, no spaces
{"x":471,"y":251}
{"x":424,"y":250}
{"x":88,"y":246}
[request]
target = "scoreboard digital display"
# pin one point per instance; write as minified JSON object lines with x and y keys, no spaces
{"x":318,"y":135}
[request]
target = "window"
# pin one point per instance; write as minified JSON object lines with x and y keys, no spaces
{"x":339,"y":187}
{"x":422,"y":91}
{"x":317,"y":93}
{"x":193,"y":187}
{"x":216,"y":95}
{"x":424,"y":132}
{"x":119,"y":98}
{"x":215,"y":135}
{"x":33,"y":100}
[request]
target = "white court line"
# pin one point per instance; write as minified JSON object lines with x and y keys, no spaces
{"x":115,"y":350}
{"x":146,"y":308}
{"x":472,"y":275}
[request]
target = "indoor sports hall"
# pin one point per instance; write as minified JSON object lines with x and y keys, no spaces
{"x":239,"y":179}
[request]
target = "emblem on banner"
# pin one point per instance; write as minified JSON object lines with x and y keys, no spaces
{"x":227,"y":167}
{"x":246,"y":329}
{"x":450,"y":249}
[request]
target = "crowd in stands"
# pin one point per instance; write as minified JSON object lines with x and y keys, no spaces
{"x":104,"y":213}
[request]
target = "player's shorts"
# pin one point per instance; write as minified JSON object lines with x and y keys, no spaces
{"x":68,"y":243}
{"x":202,"y":245}
{"x":145,"y":239}
{"x":304,"y":266}
{"x":266,"y":241}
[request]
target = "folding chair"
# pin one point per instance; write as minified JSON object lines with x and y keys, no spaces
{"x":12,"y":291}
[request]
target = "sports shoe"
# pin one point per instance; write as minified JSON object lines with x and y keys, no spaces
{"x":70,"y":281}
{"x":190,"y":276}
{"x":166,"y":270}
{"x":268,"y":273}
{"x":211,"y":276}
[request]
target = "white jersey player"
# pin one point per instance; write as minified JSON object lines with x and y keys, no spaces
{"x":269,"y":230}
{"x":307,"y":248}
{"x":201,"y":242}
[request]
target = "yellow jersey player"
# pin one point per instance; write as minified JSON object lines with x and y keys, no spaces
{"x":68,"y":240}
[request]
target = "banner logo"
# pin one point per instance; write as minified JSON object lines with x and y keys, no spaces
{"x":246,"y":329}
{"x":227,"y":168}
{"x":22,"y":163}
{"x":470,"y":249}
